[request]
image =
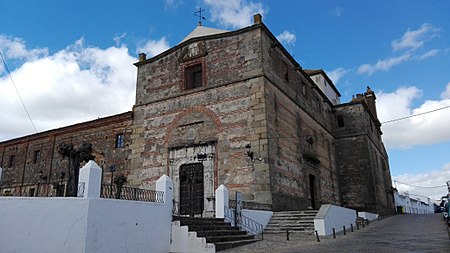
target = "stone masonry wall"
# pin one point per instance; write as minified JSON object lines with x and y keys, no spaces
{"x":227,"y":113}
{"x":362,"y":160}
{"x":299,"y":128}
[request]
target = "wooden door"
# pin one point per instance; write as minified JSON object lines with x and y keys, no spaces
{"x":191,"y":189}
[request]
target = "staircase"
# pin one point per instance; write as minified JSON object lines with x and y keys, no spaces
{"x":294,"y":221}
{"x":217,"y":231}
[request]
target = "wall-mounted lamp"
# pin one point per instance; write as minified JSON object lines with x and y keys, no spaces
{"x":250,"y":153}
{"x":202,"y":157}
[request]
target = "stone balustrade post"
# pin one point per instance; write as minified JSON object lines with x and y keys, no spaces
{"x":91,"y":177}
{"x":221,"y":201}
{"x":165,"y":184}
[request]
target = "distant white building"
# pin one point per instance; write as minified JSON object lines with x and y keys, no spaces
{"x":405,"y":204}
{"x":325,"y":84}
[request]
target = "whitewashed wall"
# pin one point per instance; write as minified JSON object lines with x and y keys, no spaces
{"x":331,"y":216}
{"x":85,"y":225}
{"x":260,"y":216}
{"x":42,"y":225}
{"x":82,"y":225}
{"x":411,"y":205}
{"x":368,"y":216}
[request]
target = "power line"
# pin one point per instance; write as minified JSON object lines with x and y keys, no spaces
{"x":17,"y":91}
{"x":414,"y":115}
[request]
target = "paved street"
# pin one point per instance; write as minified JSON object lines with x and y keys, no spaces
{"x":402,"y":233}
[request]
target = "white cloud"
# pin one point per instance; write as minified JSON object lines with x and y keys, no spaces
{"x":118,"y":38}
{"x":234,"y":13}
{"x":428,"y":54}
{"x":154,"y":47}
{"x":336,"y":74}
{"x":429,"y":128}
{"x":337,"y":11}
{"x":410,"y":41}
{"x":384,"y":65}
{"x":14,"y":48}
{"x":414,"y":39}
{"x":430,"y":184}
{"x":72,"y":85}
{"x":172,"y":3}
{"x":446,"y":93}
{"x":286,"y":38}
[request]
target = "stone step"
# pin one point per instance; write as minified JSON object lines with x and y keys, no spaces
{"x":228,"y":238}
{"x":281,"y":230}
{"x":293,"y":221}
{"x":292,"y":218}
{"x":290,"y":225}
{"x":211,"y":227}
{"x":216,"y":231}
{"x":182,"y":218}
{"x":228,"y":245}
{"x":209,"y":233}
{"x":200,"y":222}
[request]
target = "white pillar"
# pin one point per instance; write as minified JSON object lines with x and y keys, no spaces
{"x":165,"y":185}
{"x":221,"y":201}
{"x":1,"y":170}
{"x":91,"y":176}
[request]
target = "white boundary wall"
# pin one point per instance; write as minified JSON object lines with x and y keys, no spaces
{"x":331,"y":216}
{"x":368,"y":216}
{"x":260,"y":216}
{"x":89,"y":224}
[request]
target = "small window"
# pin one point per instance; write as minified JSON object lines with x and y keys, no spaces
{"x":37,"y":156}
{"x":193,"y":77}
{"x":120,"y":142}
{"x":340,"y":120}
{"x":11,"y":161}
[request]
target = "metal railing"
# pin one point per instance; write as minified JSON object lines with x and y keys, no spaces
{"x":39,"y":190}
{"x":245,"y":223}
{"x":130,"y":193}
{"x":250,"y":205}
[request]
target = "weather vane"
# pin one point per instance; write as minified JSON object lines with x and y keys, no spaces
{"x":199,"y":15}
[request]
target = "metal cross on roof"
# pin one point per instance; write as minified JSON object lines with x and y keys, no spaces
{"x":199,"y":15}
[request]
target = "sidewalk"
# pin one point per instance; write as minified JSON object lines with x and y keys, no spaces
{"x":401,"y":233}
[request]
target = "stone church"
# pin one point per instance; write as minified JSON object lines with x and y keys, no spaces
{"x":232,"y":108}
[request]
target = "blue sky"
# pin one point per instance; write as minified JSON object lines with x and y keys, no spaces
{"x":72,"y":61}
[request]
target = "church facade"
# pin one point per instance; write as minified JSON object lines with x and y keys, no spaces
{"x":234,"y":108}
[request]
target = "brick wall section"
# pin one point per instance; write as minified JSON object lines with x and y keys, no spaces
{"x":100,"y":133}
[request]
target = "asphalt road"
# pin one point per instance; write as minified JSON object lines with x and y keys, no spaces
{"x":402,"y":233}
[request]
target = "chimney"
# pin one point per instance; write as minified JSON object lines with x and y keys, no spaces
{"x":369,"y":98}
{"x":257,"y":19}
{"x":142,"y":57}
